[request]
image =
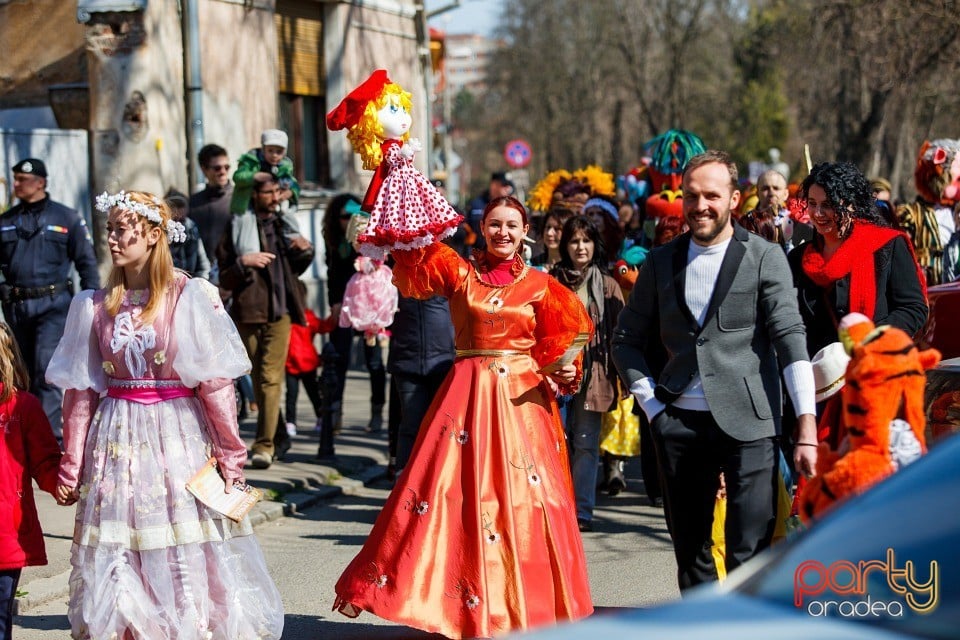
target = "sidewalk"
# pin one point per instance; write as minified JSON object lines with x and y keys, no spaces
{"x":295,"y":484}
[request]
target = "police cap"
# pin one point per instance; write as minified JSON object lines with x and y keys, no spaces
{"x":31,"y":166}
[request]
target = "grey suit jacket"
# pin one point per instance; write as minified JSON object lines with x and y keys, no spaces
{"x":752,"y":322}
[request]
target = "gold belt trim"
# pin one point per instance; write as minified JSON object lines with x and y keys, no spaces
{"x":493,"y":353}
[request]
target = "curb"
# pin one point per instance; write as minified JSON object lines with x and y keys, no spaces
{"x":326,"y":483}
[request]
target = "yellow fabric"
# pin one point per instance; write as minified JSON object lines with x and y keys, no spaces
{"x":719,"y":549}
{"x":620,"y":430}
{"x":784,"y":507}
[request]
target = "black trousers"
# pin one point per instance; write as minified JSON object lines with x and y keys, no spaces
{"x":416,"y":392}
{"x":342,"y":339}
{"x":310,"y":385}
{"x":649,"y":470}
{"x":37,"y":327}
{"x":692,"y":452}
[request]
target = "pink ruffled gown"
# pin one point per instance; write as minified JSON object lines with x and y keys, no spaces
{"x":144,"y":408}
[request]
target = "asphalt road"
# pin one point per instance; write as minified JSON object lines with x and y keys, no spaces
{"x":629,"y":557}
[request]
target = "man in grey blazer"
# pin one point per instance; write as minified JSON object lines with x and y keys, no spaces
{"x":721,"y":303}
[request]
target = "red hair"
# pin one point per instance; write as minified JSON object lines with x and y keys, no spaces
{"x":668,"y":228}
{"x":505,"y":201}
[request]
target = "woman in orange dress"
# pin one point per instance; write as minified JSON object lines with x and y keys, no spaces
{"x":479,"y":536}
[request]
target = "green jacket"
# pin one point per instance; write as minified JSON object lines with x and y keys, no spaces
{"x":250,"y":163}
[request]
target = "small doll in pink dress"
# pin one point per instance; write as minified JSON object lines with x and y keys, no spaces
{"x":406,"y":211}
{"x":370,"y":300}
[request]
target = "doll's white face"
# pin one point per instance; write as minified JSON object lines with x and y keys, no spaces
{"x":395,"y":121}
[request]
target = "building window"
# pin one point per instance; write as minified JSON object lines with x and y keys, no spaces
{"x":302,"y":83}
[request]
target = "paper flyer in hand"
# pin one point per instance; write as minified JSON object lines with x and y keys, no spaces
{"x":208,"y":487}
{"x":570,"y":354}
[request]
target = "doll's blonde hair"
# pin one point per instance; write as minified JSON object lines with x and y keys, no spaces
{"x":13,"y":371}
{"x":159,"y":264}
{"x":367,"y":134}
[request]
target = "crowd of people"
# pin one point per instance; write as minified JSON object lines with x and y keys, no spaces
{"x":522,"y":381}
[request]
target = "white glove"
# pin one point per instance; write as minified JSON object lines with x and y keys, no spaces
{"x":411,"y":147}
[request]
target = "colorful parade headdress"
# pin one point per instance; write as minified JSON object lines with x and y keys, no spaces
{"x":669,"y":153}
{"x":566,"y":190}
{"x":937,"y":171}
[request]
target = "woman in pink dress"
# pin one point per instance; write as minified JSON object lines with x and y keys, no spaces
{"x":147,"y":367}
{"x":479,"y":536}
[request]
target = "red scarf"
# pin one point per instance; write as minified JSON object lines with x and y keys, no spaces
{"x":855,"y":258}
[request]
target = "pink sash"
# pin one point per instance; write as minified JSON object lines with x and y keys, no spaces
{"x":147,"y":391}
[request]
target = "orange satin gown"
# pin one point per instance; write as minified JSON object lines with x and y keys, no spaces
{"x":479,"y":535}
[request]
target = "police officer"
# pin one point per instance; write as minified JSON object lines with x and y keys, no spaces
{"x":39,"y":240}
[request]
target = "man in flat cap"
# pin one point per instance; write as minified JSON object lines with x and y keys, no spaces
{"x":40,"y":240}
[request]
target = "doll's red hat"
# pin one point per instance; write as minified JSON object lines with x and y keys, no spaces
{"x":348,"y":112}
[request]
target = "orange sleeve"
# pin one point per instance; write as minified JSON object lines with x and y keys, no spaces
{"x":435,"y":270}
{"x":561,"y":320}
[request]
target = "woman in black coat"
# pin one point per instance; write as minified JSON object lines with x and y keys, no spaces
{"x":856,"y":262}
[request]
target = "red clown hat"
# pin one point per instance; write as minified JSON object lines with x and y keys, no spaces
{"x":348,"y":112}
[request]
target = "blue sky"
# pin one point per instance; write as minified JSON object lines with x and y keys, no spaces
{"x":472,"y":16}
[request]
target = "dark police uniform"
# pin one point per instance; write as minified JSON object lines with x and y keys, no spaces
{"x":38,"y":243}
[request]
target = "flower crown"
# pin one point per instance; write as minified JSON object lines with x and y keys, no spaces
{"x":176,"y":232}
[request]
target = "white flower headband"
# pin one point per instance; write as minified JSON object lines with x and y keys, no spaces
{"x":176,"y":232}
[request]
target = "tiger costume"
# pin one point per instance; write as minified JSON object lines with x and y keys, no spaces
{"x":883,"y":394}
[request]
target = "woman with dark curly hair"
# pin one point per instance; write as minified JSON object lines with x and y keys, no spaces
{"x":856,"y":262}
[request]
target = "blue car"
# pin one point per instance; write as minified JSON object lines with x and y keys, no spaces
{"x":885,"y":564}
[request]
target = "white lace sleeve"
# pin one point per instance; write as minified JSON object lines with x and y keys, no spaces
{"x":77,"y":363}
{"x":208,"y":345}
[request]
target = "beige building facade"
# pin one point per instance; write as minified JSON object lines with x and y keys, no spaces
{"x":121,"y":70}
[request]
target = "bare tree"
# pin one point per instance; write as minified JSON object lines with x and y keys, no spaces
{"x":590,"y":82}
{"x":869,"y":72}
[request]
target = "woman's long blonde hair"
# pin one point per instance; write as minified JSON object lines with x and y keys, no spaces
{"x":367,"y":135}
{"x":13,"y":372}
{"x":159,"y":264}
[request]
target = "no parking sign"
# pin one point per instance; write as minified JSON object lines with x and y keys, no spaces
{"x":517,"y":153}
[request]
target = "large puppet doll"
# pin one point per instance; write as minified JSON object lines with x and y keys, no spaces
{"x":405,"y":210}
{"x":929,"y":220}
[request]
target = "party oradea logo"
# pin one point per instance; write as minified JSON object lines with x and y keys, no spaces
{"x":865,"y":589}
